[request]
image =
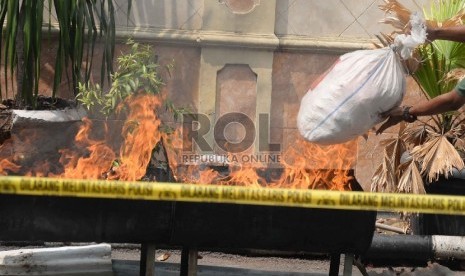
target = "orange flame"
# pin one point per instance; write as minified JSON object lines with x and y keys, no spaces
{"x":330,"y":166}
{"x":141,"y":134}
{"x":89,"y":166}
{"x":302,"y":165}
{"x":8,"y":166}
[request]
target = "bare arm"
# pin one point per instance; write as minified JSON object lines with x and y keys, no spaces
{"x":443,"y":103}
{"x":453,"y":33}
{"x":446,"y":102}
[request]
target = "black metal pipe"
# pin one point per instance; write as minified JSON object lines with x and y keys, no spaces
{"x":398,"y":249}
{"x":198,"y":225}
{"x":395,"y":246}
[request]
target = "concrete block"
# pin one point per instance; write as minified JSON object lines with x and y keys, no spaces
{"x":70,"y":260}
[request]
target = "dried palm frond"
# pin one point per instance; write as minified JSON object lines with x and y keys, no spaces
{"x":393,"y":150}
{"x":411,"y":180}
{"x":438,"y":157}
{"x":399,"y":20}
{"x":400,"y":15}
{"x":457,"y":134}
{"x":460,"y":144}
{"x":378,"y":179}
{"x":456,"y":74}
{"x":458,"y":128}
{"x":384,"y":39}
{"x":416,"y":135}
{"x":384,"y":179}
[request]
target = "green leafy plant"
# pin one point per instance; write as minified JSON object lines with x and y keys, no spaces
{"x":136,"y":72}
{"x":79,"y":24}
{"x":432,"y":148}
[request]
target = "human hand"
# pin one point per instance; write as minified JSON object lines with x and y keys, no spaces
{"x":394,"y":115}
{"x":430,"y":34}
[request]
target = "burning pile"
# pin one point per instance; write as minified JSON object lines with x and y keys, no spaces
{"x":97,"y":154}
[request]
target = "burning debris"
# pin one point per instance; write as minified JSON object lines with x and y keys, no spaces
{"x":97,"y":154}
{"x":136,"y":140}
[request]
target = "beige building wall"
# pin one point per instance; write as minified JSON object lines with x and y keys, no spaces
{"x":266,"y":52}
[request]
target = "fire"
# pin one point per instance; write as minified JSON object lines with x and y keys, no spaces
{"x":95,"y":155}
{"x":141,"y":133}
{"x":90,"y":163}
{"x":330,"y":166}
{"x":302,"y":165}
{"x":6,"y":166}
{"x":245,"y":176}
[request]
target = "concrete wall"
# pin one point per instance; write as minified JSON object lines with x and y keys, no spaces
{"x":252,"y":56}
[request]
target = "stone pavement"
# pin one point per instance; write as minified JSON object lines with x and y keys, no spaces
{"x":131,"y":268}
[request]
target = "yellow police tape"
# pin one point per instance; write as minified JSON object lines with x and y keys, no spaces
{"x":34,"y":186}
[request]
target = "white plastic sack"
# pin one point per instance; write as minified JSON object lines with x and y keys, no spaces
{"x":348,"y":101}
{"x":405,"y":44}
{"x":360,"y":86}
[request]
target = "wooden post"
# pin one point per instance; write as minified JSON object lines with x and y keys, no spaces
{"x":334,"y":264}
{"x":147,"y":259}
{"x":348,"y":261}
{"x":189,"y":262}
